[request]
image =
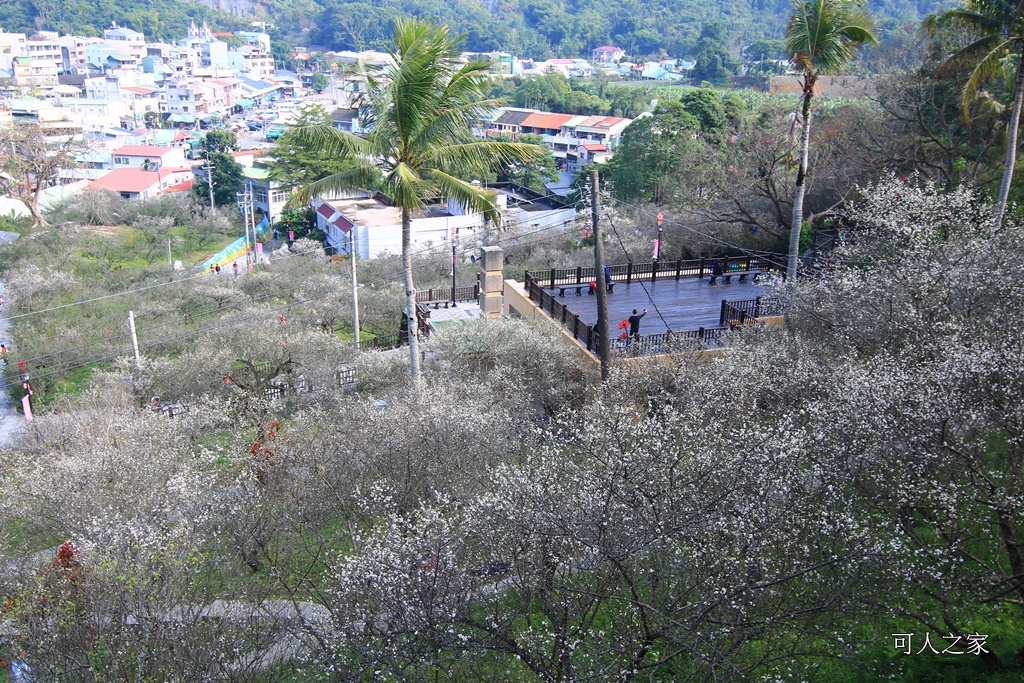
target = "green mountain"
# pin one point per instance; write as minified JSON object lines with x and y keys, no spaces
{"x":158,"y":19}
{"x":528,"y":28}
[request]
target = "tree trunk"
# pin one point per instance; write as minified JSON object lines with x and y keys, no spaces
{"x":410,"y":298}
{"x":1011,"y":144}
{"x":796,"y":226}
{"x":38,"y":221}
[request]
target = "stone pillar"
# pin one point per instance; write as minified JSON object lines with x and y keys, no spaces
{"x":491,"y":281}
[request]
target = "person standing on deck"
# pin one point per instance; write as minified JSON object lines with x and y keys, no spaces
{"x":634,"y":323}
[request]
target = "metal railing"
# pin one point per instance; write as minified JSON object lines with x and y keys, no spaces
{"x":653,"y":270}
{"x":440,"y":295}
{"x":744,"y":310}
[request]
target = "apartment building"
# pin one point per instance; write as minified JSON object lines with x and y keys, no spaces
{"x":126,"y":40}
{"x":33,"y":73}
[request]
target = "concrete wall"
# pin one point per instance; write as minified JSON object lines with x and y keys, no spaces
{"x":517,"y":301}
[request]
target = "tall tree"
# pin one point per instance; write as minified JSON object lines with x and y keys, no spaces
{"x":535,"y":174}
{"x":220,"y":141}
{"x":421,"y":105}
{"x":30,"y":163}
{"x":227,"y":180}
{"x":295,"y":164}
{"x":821,"y":38}
{"x":1000,"y":25}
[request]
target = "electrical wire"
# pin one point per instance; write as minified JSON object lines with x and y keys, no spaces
{"x":380,"y":279}
{"x":710,"y":238}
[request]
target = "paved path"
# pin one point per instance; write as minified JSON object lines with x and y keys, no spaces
{"x":10,"y":420}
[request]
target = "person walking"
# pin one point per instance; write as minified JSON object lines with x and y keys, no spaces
{"x":634,"y":323}
{"x":235,"y":267}
{"x":218,"y":269}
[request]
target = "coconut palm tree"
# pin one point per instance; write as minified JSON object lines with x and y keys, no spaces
{"x":1000,"y":26}
{"x":821,"y":37}
{"x":421,"y":106}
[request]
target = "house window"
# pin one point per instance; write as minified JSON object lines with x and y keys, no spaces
{"x":259,"y":194}
{"x":126,"y":195}
{"x":278,"y":196}
{"x":121,"y":160}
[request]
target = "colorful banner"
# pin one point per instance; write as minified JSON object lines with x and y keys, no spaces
{"x":236,"y":249}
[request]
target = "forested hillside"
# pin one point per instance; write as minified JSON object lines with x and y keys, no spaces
{"x":158,"y":19}
{"x":529,"y":28}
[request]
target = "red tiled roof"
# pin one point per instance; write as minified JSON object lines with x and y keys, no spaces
{"x":143,"y":151}
{"x":595,"y":147}
{"x":245,"y":153}
{"x":135,"y":179}
{"x":599,"y":122}
{"x":126,"y":180}
{"x":181,"y":187}
{"x":545,"y":120}
{"x":138,"y":90}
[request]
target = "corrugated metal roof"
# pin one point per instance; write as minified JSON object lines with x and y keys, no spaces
{"x":545,"y":120}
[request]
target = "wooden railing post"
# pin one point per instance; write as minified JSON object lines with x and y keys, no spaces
{"x":757,"y":307}
{"x":700,"y":272}
{"x":679,"y":268}
{"x":725,"y":265}
{"x":629,"y":273}
{"x":700,"y":334}
{"x":654,"y":271}
{"x":721,"y":316}
{"x":552,"y":278}
{"x":579,"y":274}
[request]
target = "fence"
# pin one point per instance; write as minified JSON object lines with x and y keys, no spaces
{"x":561,"y":314}
{"x":655,"y":270}
{"x":651,"y":344}
{"x":740,"y":311}
{"x":442,"y":295}
{"x":668,"y":342}
{"x":384,"y":342}
{"x":345,"y":377}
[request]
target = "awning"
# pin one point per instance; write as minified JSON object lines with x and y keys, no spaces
{"x":181,"y":118}
{"x":245,"y":104}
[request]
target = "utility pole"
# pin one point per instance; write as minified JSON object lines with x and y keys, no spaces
{"x":209,"y":175}
{"x":247,"y":207}
{"x":602,"y":291}
{"x":454,"y":236}
{"x":135,"y":340}
{"x":355,"y":285}
{"x":169,"y":264}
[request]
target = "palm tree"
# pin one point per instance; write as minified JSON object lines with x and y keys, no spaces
{"x":821,"y":38}
{"x":420,"y":108}
{"x":1000,"y":23}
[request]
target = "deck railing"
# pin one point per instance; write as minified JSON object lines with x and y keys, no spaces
{"x":443,"y":294}
{"x":654,"y":270}
{"x":561,"y":314}
{"x":668,"y":342}
{"x":741,"y":311}
{"x":651,"y":344}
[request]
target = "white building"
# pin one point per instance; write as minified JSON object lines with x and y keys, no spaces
{"x":126,"y":40}
{"x":378,"y":226}
{"x":45,"y":47}
{"x":31,"y":73}
{"x":149,"y":156}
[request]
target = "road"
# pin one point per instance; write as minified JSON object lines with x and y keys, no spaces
{"x":10,"y":421}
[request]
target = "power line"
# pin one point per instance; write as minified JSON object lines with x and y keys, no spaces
{"x":712,"y":238}
{"x":380,"y":279}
